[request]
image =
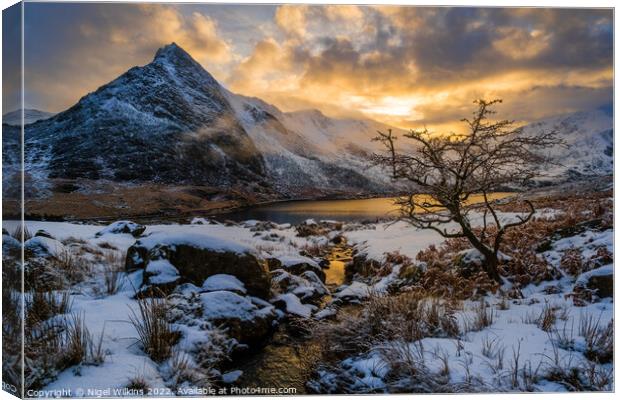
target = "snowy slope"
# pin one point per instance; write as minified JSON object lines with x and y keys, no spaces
{"x":588,"y":144}
{"x":166,"y":122}
{"x":171,"y":122}
{"x":308,"y":147}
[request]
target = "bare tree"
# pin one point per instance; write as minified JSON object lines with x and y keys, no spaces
{"x":448,"y":171}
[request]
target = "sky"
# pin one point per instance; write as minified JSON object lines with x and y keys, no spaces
{"x":405,"y":66}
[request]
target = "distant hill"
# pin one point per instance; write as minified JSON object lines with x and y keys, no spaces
{"x":588,"y":145}
{"x":30,"y":116}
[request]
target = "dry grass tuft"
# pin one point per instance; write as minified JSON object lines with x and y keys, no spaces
{"x":155,"y":334}
{"x":17,"y":233}
{"x":599,"y":339}
{"x":572,"y":262}
{"x":138,"y":384}
{"x":546,"y":319}
{"x":405,"y":316}
{"x":483,"y":316}
{"x":114,"y":267}
{"x":55,"y":273}
{"x":41,"y":306}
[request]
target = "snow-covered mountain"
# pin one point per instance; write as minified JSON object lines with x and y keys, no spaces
{"x":588,"y":144}
{"x":30,"y":116}
{"x":171,"y":123}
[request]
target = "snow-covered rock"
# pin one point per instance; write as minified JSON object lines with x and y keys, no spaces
{"x":600,"y":280}
{"x":298,"y":265}
{"x":242,"y":319}
{"x":159,"y":272}
{"x":223,"y":282}
{"x":292,"y":305}
{"x":198,"y":256}
{"x":44,"y":233}
{"x":232,"y":376}
{"x":10,"y":244}
{"x":117,"y":227}
{"x":308,"y":286}
{"x":355,"y":292}
{"x":41,"y":246}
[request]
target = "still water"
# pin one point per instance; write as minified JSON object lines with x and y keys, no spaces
{"x":295,"y":212}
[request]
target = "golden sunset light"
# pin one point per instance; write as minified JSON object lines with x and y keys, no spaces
{"x":300,"y":199}
{"x":405,"y":66}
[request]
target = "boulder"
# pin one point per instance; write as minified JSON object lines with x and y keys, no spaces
{"x":117,"y":227}
{"x":292,"y":305}
{"x":242,"y":319}
{"x":602,"y":284}
{"x":362,"y":266}
{"x":299,"y":264}
{"x":224,"y":282}
{"x":247,"y":320}
{"x":339,"y":239}
{"x":598,"y":282}
{"x":353,"y":293}
{"x":44,"y":247}
{"x":197,"y":257}
{"x":308,"y":287}
{"x":44,"y":233}
{"x":273,"y":264}
{"x":10,"y":245}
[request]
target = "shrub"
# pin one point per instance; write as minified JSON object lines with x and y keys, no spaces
{"x":55,"y":273}
{"x":409,"y":372}
{"x":572,"y":262}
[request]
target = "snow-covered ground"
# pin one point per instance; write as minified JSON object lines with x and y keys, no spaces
{"x":482,"y":358}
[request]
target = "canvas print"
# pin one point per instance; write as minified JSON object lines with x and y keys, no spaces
{"x":227,"y":199}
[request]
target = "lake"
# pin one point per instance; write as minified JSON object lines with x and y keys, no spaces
{"x":295,"y":212}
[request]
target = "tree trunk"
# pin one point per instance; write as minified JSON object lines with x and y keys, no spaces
{"x":490,"y":265}
{"x":490,"y":257}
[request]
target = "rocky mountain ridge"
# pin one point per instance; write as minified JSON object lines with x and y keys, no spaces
{"x":171,"y":125}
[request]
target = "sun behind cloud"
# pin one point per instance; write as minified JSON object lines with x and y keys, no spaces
{"x":405,"y":66}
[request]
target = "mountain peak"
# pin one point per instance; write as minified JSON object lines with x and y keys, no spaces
{"x":173,"y":52}
{"x":178,"y":62}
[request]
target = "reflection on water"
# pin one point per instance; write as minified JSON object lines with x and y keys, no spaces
{"x":338,"y":256}
{"x":334,"y":275}
{"x":341,"y":210}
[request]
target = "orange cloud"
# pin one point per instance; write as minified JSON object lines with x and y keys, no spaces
{"x":128,"y":36}
{"x":406,"y":66}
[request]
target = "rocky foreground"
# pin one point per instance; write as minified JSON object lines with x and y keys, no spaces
{"x":169,"y":309}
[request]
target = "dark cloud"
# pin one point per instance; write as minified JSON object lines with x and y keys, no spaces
{"x":11,"y":57}
{"x":403,"y":65}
